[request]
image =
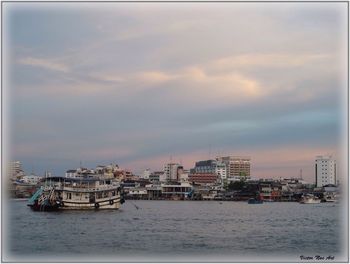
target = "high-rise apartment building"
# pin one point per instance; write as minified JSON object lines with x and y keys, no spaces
{"x":172,"y":171}
{"x":325,"y":171}
{"x":15,"y":170}
{"x":236,"y":165}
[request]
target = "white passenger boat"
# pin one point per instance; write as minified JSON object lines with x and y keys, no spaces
{"x":309,"y":199}
{"x":330,"y":197}
{"x":93,"y":192}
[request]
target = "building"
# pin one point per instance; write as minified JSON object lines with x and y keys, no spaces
{"x":236,"y":165}
{"x":156,"y":176}
{"x":325,"y":171}
{"x":15,"y":170}
{"x":71,"y":173}
{"x":205,"y":166}
{"x":31,"y":179}
{"x":221,"y":171}
{"x":172,"y":172}
{"x":203,"y":178}
{"x":183,"y":177}
{"x":146,"y":173}
{"x":176,"y":191}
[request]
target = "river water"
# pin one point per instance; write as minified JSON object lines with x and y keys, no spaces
{"x":177,"y":231}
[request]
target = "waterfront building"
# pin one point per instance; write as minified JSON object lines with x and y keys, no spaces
{"x":236,"y":165}
{"x":31,"y":179}
{"x":270,"y":191}
{"x":205,"y":166}
{"x":154,"y":191}
{"x":137,"y":193}
{"x":176,"y":191}
{"x":325,"y":171}
{"x":171,"y":171}
{"x":203,"y":178}
{"x":156,"y":176}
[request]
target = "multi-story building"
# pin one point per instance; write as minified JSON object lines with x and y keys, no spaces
{"x":236,"y":165}
{"x":172,"y":171}
{"x":71,"y":173}
{"x":15,"y":170}
{"x":179,"y":191}
{"x":156,"y":176}
{"x":146,"y":173}
{"x":221,"y":171}
{"x":31,"y":179}
{"x":203,"y":178}
{"x":205,"y":166}
{"x":325,"y":171}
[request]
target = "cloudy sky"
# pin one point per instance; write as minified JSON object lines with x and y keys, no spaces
{"x":140,"y":84}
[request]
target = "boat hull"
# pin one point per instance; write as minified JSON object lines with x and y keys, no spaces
{"x":98,"y":205}
{"x":44,"y":207}
{"x":310,"y":202}
{"x":255,"y":201}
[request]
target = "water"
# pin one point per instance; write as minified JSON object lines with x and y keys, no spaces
{"x":177,"y":231}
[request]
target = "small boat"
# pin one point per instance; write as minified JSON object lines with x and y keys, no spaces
{"x":330,"y":197}
{"x":309,"y":199}
{"x":61,"y":193}
{"x":255,"y":201}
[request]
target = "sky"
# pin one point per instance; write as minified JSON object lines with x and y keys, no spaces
{"x":142,"y":84}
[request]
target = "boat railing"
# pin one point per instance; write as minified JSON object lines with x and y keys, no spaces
{"x":36,"y":195}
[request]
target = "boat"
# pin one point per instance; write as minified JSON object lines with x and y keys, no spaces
{"x":255,"y":201}
{"x":90,"y":192}
{"x":330,"y":197}
{"x":309,"y":199}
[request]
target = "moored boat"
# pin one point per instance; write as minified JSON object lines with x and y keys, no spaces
{"x":309,"y":199}
{"x":60,"y":193}
{"x":330,"y":197}
{"x":255,"y":201}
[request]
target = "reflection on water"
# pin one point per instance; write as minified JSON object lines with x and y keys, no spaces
{"x":176,"y":231}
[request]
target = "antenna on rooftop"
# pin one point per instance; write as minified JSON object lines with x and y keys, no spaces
{"x":301,"y":174}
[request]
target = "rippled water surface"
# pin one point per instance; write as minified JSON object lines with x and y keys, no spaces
{"x":176,"y":231}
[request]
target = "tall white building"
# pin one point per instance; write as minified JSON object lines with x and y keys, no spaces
{"x":221,"y":170}
{"x":146,"y":173}
{"x":171,"y":171}
{"x":15,"y":170}
{"x":325,"y":170}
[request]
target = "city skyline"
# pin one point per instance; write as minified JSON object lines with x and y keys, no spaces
{"x":141,"y":84}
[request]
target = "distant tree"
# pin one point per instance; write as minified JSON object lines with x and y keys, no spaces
{"x":243,"y":173}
